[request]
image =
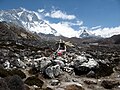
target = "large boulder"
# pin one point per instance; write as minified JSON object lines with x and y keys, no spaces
{"x":53,"y":71}
{"x":82,"y":65}
{"x":15,"y":83}
{"x":92,"y":67}
{"x":103,"y":70}
{"x":109,"y":84}
{"x":44,"y":62}
{"x":81,"y":70}
{"x":51,"y":68}
{"x":3,"y":85}
{"x":79,"y":60}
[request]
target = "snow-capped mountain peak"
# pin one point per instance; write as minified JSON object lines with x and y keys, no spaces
{"x":30,"y":20}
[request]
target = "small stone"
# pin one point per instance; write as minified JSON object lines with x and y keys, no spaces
{"x":91,"y":74}
{"x":90,"y":82}
{"x":55,"y":82}
{"x":47,"y":88}
{"x":74,"y":87}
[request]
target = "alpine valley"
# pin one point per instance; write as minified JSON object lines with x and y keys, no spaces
{"x":29,"y":58}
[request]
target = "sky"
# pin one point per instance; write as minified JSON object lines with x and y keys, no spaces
{"x":97,"y":16}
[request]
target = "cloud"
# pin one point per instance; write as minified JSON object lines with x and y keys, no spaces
{"x":77,"y":23}
{"x":60,"y":14}
{"x":107,"y":32}
{"x":64,"y":29}
{"x":66,"y":26}
{"x":96,"y":27}
{"x":41,"y":10}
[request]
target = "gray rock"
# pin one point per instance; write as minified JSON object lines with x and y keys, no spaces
{"x":53,"y":71}
{"x":82,"y":65}
{"x":91,"y":74}
{"x":15,"y":83}
{"x":109,"y":84}
{"x":3,"y":85}
{"x":54,"y":82}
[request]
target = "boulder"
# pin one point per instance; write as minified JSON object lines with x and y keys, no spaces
{"x":44,"y":62}
{"x":15,"y":83}
{"x":91,"y":74}
{"x":103,"y":70}
{"x":109,"y":84}
{"x":81,"y":70}
{"x":79,"y":60}
{"x":3,"y":85}
{"x":90,"y":64}
{"x":92,"y":68}
{"x":53,"y":71}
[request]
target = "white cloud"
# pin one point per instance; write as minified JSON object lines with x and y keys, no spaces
{"x":77,"y":23}
{"x":96,"y":27}
{"x":107,"y":32}
{"x":60,"y":14}
{"x":64,"y":29}
{"x":41,"y":10}
{"x":64,"y":26}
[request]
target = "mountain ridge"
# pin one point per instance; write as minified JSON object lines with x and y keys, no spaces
{"x":30,"y":20}
{"x":27,"y":19}
{"x":34,"y":22}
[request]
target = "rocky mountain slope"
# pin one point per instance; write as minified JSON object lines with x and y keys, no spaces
{"x":115,"y":39}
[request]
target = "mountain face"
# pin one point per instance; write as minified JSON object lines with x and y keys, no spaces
{"x":28,"y":19}
{"x":10,"y":32}
{"x":32,"y":21}
{"x":86,"y":34}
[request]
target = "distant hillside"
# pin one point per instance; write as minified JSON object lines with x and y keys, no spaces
{"x":115,"y":39}
{"x":10,"y":33}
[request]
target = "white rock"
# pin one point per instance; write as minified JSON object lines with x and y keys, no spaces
{"x":91,"y":63}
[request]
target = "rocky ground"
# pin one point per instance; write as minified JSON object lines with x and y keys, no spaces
{"x":83,"y":68}
{"x":29,"y":63}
